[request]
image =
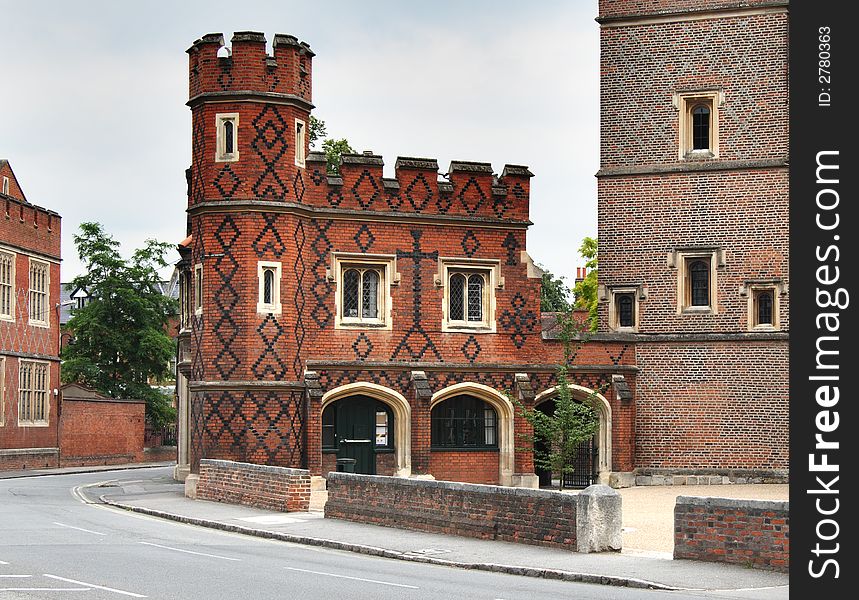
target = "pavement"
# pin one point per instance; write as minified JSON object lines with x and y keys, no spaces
{"x":155,"y":493}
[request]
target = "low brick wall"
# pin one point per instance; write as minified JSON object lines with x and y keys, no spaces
{"x":260,"y":486}
{"x":752,"y":533}
{"x":709,"y":476}
{"x":522,"y":515}
{"x":159,"y":454}
{"x":16,"y":459}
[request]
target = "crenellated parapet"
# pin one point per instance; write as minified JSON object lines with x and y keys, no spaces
{"x":467,"y":189}
{"x":31,"y":226}
{"x":248,"y":69}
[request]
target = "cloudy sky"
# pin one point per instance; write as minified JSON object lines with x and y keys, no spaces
{"x":95,"y":124}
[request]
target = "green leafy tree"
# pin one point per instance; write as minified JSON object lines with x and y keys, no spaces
{"x":332,"y":148}
{"x":557,"y":437}
{"x":554,"y":294}
{"x":585,"y":291}
{"x":120,"y":340}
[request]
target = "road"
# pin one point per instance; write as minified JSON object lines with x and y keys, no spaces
{"x":55,"y":545}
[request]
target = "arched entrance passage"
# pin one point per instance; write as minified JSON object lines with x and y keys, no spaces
{"x":504,"y":426}
{"x":356,"y":404}
{"x":603,"y":436}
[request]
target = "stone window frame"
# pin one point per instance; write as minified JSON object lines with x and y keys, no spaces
{"x":7,"y":269}
{"x":751,"y":290}
{"x":275,"y":307}
{"x":685,"y":103}
{"x":490,"y":269}
{"x":680,"y":259}
{"x":197,"y":288}
{"x":300,"y":143}
{"x":45,"y":393}
{"x":386,"y":266}
{"x":5,"y":188}
{"x":221,"y":155}
{"x":487,"y":425}
{"x":609,"y":294}
{"x":35,"y":292}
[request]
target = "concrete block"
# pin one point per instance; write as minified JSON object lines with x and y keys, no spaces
{"x":622,"y":479}
{"x":599,"y":519}
{"x":643,"y":480}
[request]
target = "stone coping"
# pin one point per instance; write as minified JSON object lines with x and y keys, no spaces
{"x":738,"y":503}
{"x":230,"y":464}
{"x":23,"y":451}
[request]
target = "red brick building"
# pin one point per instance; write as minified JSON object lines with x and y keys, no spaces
{"x":29,"y":328}
{"x":693,"y":229}
{"x":386,"y":319}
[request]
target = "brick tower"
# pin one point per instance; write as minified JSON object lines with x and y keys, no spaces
{"x":693,"y":229}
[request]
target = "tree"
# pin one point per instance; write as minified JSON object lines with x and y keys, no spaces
{"x":557,"y":437}
{"x":585,"y":291}
{"x":332,"y":148}
{"x":554,"y":294}
{"x":120,"y":339}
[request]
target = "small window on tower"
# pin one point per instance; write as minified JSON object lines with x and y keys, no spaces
{"x":6,"y":185}
{"x":699,"y":124}
{"x":198,"y":289}
{"x":269,"y":287}
{"x":227,"y":127}
{"x":623,"y":308}
{"x":696,"y":279}
{"x":764,"y":304}
{"x":299,"y":143}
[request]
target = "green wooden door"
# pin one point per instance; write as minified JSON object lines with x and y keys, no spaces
{"x":356,"y":431}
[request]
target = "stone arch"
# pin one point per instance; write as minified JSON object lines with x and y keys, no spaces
{"x":503,"y":407}
{"x":402,"y":416}
{"x":603,"y":408}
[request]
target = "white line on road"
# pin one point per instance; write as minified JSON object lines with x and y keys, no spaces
{"x":412,"y":587}
{"x":3,"y":562}
{"x":79,"y":528}
{"x":45,"y":589}
{"x":92,"y":585}
{"x":191,"y":551}
{"x":16,"y":576}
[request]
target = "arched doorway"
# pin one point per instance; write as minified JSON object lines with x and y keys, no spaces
{"x":369,"y":423}
{"x":358,"y":427}
{"x":595,"y":453}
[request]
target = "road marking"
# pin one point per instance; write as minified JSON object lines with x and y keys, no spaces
{"x":79,"y":528}
{"x":3,"y":562}
{"x":402,"y":585}
{"x":92,"y":585}
{"x":191,"y":552}
{"x":45,"y":590}
{"x":21,"y":576}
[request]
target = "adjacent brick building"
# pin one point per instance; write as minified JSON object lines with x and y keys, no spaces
{"x":29,"y":328}
{"x":391,"y":319}
{"x":693,"y":229}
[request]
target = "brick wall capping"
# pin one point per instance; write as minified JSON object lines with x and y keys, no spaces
{"x":36,"y":355}
{"x":740,"y":503}
{"x":32,"y":451}
{"x":454,"y":486}
{"x":248,"y":36}
{"x":250,"y":96}
{"x":694,"y":167}
{"x":107,"y":400}
{"x":408,"y":162}
{"x":202,"y":386}
{"x":315,"y":156}
{"x":390,"y":184}
{"x":466,"y":166}
{"x":362,"y":159}
{"x":318,"y":365}
{"x":517,"y":171}
{"x":657,"y":338}
{"x":253,"y":467}
{"x":242,"y":205}
{"x":284,"y":39}
{"x":209,"y":38}
{"x":782,"y":474}
{"x":669,"y":15}
{"x":445,"y":187}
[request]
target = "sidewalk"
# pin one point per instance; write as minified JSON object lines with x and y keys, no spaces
{"x":17,"y":474}
{"x":162,"y":497}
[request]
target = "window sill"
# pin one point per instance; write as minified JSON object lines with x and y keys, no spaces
{"x":227,"y":157}
{"x":699,"y":155}
{"x":33,"y":424}
{"x":41,"y":324}
{"x":461,"y":328}
{"x":464,"y":449}
{"x":697,"y":310}
{"x":361,"y":325}
{"x":767,"y":328}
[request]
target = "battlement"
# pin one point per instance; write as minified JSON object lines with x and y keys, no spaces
{"x":28,"y":226}
{"x":468,"y":188}
{"x":248,"y":68}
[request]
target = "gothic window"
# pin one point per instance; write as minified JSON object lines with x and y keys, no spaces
{"x":39,"y":293}
{"x":764,"y":307}
{"x":7,"y":286}
{"x":699,"y":282}
{"x":701,"y":127}
{"x":198,"y":289}
{"x":363,"y":293}
{"x":33,"y":386}
{"x":226,"y":142}
{"x":625,"y":310}
{"x":268,"y":274}
{"x":464,"y":422}
{"x":467,"y":298}
{"x":299,"y":143}
{"x":699,"y":124}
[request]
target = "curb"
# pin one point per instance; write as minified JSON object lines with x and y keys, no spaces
{"x":78,"y":470}
{"x":557,"y":574}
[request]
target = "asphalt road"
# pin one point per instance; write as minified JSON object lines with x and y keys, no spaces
{"x":54,"y":544}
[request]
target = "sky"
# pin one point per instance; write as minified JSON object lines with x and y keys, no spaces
{"x":95,"y":124}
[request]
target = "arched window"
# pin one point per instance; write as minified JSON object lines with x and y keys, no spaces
{"x":464,"y":422}
{"x":765,"y":308}
{"x":361,"y":295}
{"x":268,"y":285}
{"x":699,"y":283}
{"x":475,"y":297}
{"x":625,"y":310}
{"x":268,"y":274}
{"x":456,"y":298}
{"x":466,"y":298}
{"x":701,"y":127}
{"x":229,"y":143}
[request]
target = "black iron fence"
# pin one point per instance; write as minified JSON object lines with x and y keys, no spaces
{"x":161,"y":436}
{"x":584,"y":466}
